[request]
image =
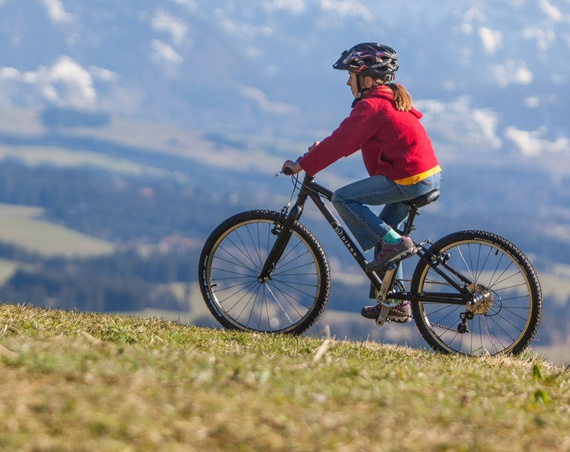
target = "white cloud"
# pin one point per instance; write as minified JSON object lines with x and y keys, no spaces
{"x":513,"y":72}
{"x":487,"y":121}
{"x":241,"y":29}
{"x":9,"y":73}
{"x":69,"y":83}
{"x":260,"y":98}
{"x":550,"y":10}
{"x":165,"y":22}
{"x":457,"y":123}
{"x":543,"y":38}
{"x":530,"y":142}
{"x":491,"y":40}
{"x":65,"y":83}
{"x":474,"y":14}
{"x":349,"y":8}
{"x":532,"y":102}
{"x":292,"y":6}
{"x":165,"y":54}
{"x":103,"y":74}
{"x":56,"y":12}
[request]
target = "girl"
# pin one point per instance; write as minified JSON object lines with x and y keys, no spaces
{"x":396,"y":151}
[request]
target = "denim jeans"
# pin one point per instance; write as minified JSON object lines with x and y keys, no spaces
{"x":367,"y":227}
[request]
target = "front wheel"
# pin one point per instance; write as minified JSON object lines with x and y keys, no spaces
{"x":502,"y":312}
{"x":294,"y":296}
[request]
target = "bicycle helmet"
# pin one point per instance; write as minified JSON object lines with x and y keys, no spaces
{"x":375,"y":60}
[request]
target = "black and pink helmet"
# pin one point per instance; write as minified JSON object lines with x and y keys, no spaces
{"x":375,"y":60}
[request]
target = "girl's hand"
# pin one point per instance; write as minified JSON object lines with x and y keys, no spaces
{"x":293,"y":167}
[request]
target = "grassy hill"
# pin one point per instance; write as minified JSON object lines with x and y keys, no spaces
{"x":93,"y":382}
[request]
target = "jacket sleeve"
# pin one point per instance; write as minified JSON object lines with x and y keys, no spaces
{"x":344,"y":141}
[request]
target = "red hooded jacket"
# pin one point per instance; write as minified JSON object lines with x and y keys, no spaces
{"x":393,"y":143}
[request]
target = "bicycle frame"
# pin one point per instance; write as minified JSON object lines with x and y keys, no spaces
{"x":314,"y":191}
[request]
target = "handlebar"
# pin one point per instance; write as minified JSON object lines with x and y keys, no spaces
{"x":286,"y":171}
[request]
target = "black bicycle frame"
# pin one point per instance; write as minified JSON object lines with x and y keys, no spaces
{"x":310,"y":189}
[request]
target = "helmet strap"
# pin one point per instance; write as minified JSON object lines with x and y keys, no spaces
{"x":361,"y":90}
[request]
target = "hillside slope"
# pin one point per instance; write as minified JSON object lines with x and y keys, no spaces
{"x":92,"y":382}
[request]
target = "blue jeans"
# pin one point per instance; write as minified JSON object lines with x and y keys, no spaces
{"x":367,"y":227}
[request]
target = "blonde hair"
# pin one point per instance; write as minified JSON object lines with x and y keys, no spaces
{"x":402,"y":99}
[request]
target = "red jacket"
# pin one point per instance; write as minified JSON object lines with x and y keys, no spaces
{"x":393,"y":143}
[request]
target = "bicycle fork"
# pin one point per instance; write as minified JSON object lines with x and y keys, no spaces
{"x":283,"y":233}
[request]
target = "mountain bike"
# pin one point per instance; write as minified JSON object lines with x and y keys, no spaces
{"x":472,"y":292}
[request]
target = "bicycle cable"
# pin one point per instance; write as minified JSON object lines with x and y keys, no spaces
{"x":295,"y":181}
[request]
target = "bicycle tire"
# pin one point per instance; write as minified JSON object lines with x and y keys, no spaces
{"x":290,"y":302}
{"x":504,"y":322}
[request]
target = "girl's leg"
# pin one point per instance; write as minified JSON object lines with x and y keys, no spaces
{"x":350,"y":202}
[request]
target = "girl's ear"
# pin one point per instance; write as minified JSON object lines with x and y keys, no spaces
{"x":368,"y":82}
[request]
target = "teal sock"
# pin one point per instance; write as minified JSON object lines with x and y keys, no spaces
{"x":392,"y":237}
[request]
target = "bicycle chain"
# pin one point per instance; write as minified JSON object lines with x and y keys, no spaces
{"x":433,"y":324}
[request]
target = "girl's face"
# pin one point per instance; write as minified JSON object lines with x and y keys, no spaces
{"x":352,"y":83}
{"x":366,"y":82}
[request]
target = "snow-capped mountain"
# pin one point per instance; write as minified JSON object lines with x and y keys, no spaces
{"x":489,"y":74}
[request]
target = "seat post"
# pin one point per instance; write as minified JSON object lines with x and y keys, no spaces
{"x":413,"y":211}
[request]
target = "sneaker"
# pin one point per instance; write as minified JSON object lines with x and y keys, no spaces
{"x":400,"y":314}
{"x":392,"y":253}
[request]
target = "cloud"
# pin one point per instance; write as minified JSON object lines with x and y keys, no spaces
{"x":491,"y":40}
{"x":348,"y":8}
{"x":550,"y":10}
{"x":513,"y":72}
{"x":260,"y":98}
{"x":292,"y":6}
{"x":456,"y":122}
{"x":65,"y":83}
{"x":69,"y":83}
{"x":530,"y":142}
{"x":543,"y":38}
{"x":164,"y":54}
{"x":487,"y":121}
{"x":57,"y":13}
{"x":176,"y":28}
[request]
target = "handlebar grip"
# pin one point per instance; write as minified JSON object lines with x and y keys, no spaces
{"x":287,"y":171}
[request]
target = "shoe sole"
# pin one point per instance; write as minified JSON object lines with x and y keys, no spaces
{"x":400,"y":317}
{"x":399,"y":257}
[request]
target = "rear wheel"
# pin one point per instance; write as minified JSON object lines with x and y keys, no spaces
{"x":290,"y":301}
{"x":505,"y":304}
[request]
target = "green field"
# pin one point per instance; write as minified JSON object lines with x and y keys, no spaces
{"x":23,"y":226}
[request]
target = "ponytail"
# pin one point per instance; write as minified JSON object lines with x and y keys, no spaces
{"x":402,"y":99}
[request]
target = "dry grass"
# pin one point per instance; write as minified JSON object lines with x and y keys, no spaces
{"x":88,"y":382}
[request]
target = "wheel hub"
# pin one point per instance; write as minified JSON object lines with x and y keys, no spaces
{"x":482,"y":299}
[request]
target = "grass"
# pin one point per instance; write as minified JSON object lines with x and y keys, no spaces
{"x":91,"y":382}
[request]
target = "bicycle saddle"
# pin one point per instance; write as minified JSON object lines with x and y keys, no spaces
{"x":423,"y":200}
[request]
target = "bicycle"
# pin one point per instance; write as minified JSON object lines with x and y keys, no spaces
{"x":472,"y":292}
